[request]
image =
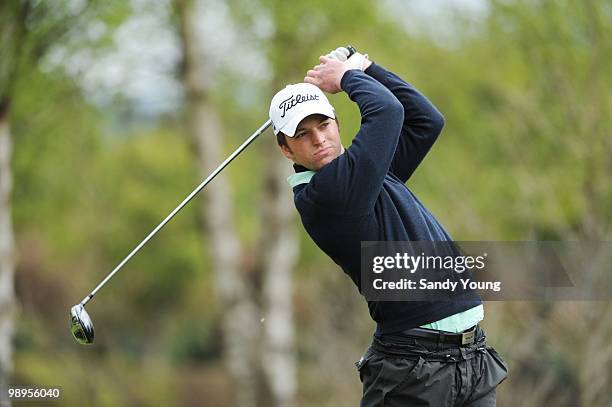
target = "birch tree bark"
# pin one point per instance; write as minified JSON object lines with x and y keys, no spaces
{"x":12,"y":28}
{"x":240,"y":319}
{"x":278,"y":251}
{"x":279,"y":245}
{"x":7,"y":264}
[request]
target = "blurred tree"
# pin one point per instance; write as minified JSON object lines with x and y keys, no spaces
{"x":12,"y":31}
{"x":239,"y":313}
{"x":556,"y":110}
{"x":561,"y":106}
{"x":28,"y":30}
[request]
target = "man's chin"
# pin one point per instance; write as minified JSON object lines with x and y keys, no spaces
{"x":324,"y":161}
{"x":317,"y":165}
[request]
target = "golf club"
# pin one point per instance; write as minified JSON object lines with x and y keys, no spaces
{"x":81,"y":325}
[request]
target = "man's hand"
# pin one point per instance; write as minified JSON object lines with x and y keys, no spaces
{"x":355,"y":61}
{"x":327,"y":75}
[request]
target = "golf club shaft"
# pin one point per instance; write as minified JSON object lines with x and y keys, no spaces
{"x":178,"y":208}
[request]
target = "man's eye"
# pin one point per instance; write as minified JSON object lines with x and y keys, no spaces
{"x":324,"y":124}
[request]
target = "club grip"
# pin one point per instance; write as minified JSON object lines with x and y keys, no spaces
{"x":351,"y":49}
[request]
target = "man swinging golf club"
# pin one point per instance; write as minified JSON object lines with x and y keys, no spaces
{"x":423,"y":353}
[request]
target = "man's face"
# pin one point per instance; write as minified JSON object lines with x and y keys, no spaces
{"x":316,"y":142}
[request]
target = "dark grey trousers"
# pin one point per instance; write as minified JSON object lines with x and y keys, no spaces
{"x":403,"y":371}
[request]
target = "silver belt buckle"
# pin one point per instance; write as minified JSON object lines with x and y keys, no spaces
{"x":468,"y":337}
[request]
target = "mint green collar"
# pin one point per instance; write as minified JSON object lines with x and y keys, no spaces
{"x":300,"y":178}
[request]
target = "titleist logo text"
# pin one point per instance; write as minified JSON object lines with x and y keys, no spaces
{"x":293,"y":100}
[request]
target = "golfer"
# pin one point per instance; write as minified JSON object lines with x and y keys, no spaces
{"x":424,"y":353}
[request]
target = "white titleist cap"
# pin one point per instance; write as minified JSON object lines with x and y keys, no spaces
{"x":292,"y":104}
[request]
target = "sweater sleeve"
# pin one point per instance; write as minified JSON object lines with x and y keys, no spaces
{"x":421,"y":127}
{"x":350,"y":184}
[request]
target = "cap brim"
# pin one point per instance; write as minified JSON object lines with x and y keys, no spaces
{"x":307,"y":110}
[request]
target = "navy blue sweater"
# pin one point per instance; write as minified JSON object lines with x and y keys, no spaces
{"x":362,"y":196}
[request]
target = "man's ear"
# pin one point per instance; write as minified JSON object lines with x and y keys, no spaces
{"x":286,"y":151}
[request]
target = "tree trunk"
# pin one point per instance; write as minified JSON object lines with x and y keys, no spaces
{"x":240,"y":319}
{"x":7,"y":263}
{"x":278,"y":250}
{"x":279,"y":245}
{"x":12,"y":31}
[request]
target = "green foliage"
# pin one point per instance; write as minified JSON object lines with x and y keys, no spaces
{"x":56,"y":137}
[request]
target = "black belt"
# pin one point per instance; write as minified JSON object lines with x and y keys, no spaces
{"x":466,"y":337}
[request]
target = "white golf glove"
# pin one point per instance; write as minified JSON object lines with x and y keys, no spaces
{"x":340,"y":53}
{"x":356,"y":61}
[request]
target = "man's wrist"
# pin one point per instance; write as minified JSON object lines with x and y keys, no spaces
{"x":342,"y":75}
{"x":348,"y":75}
{"x":344,"y":78}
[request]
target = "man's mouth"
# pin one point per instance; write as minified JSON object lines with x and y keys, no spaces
{"x":322,"y":151}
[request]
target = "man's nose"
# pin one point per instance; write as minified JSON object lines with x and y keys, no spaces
{"x":318,"y":137}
